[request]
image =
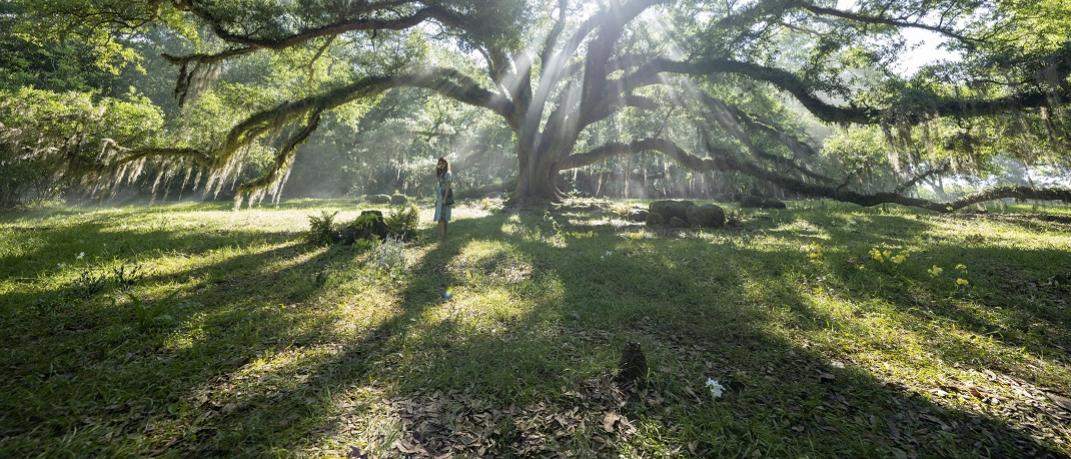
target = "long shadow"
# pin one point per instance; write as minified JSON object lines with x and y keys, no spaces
{"x":585,"y":297}
{"x":1000,"y":275}
{"x":785,"y":399}
{"x":356,"y":361}
{"x":90,"y":364}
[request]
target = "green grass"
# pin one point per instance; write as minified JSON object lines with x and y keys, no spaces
{"x":234,"y":337}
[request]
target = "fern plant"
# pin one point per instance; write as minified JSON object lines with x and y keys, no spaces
{"x":322,"y":229}
{"x":403,"y":221}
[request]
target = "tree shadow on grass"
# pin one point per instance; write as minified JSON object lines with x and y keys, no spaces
{"x":564,"y":309}
{"x":785,"y":399}
{"x":90,"y":369}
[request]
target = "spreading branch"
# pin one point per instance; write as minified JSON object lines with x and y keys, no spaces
{"x":283,"y":157}
{"x":724,"y":160}
{"x":913,"y":112}
{"x":190,"y":64}
{"x":443,"y":81}
{"x":882,"y":20}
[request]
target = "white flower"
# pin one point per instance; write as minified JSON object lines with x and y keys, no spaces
{"x":81,"y":255}
{"x":716,"y":389}
{"x":609,"y":252}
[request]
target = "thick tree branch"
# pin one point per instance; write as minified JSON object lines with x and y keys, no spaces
{"x":131,"y":155}
{"x":915,"y":111}
{"x":554,"y":67}
{"x":283,"y":157}
{"x":881,"y":20}
{"x":612,"y":149}
{"x":723,"y":160}
{"x":443,"y":81}
{"x":555,"y":32}
{"x":249,"y":43}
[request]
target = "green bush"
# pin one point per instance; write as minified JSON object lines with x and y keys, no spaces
{"x":403,"y":221}
{"x":370,"y":225}
{"x":322,"y":229}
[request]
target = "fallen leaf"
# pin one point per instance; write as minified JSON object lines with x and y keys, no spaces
{"x":408,"y":448}
{"x":609,"y":420}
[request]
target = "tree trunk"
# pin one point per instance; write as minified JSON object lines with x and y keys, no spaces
{"x":536,"y":181}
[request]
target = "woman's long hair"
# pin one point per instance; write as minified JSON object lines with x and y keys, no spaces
{"x":441,"y":167}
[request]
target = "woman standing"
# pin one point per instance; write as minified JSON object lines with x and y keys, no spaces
{"x":444,"y":196}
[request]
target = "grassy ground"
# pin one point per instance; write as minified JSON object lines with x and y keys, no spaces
{"x":191,"y":330}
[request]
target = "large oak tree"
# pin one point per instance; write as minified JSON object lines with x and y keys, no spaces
{"x":551,"y":70}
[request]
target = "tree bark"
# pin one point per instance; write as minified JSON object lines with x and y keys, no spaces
{"x":537,"y":182}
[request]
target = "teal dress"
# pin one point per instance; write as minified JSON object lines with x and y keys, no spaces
{"x":442,"y":211}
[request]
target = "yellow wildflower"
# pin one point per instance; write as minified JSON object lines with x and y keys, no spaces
{"x":899,"y":259}
{"x":876,"y":255}
{"x":961,"y":267}
{"x":962,"y":282}
{"x":935,"y":271}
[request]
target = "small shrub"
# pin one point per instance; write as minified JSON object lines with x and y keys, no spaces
{"x":390,"y":256}
{"x":89,"y":284}
{"x":364,"y":245}
{"x":403,"y":221}
{"x":148,"y":314}
{"x":90,"y":281}
{"x":322,"y":229}
{"x":733,"y":218}
{"x":125,"y":276}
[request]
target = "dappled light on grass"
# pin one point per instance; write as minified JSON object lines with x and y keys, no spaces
{"x":271,"y":345}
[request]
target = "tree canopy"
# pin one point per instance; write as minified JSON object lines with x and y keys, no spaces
{"x":753,"y":89}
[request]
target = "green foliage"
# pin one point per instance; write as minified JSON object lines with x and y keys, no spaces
{"x":403,"y":221}
{"x":321,"y":229}
{"x":51,"y":141}
{"x":148,"y":314}
{"x":26,"y":182}
{"x":863,"y":152}
{"x":81,"y":41}
{"x":389,"y":255}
